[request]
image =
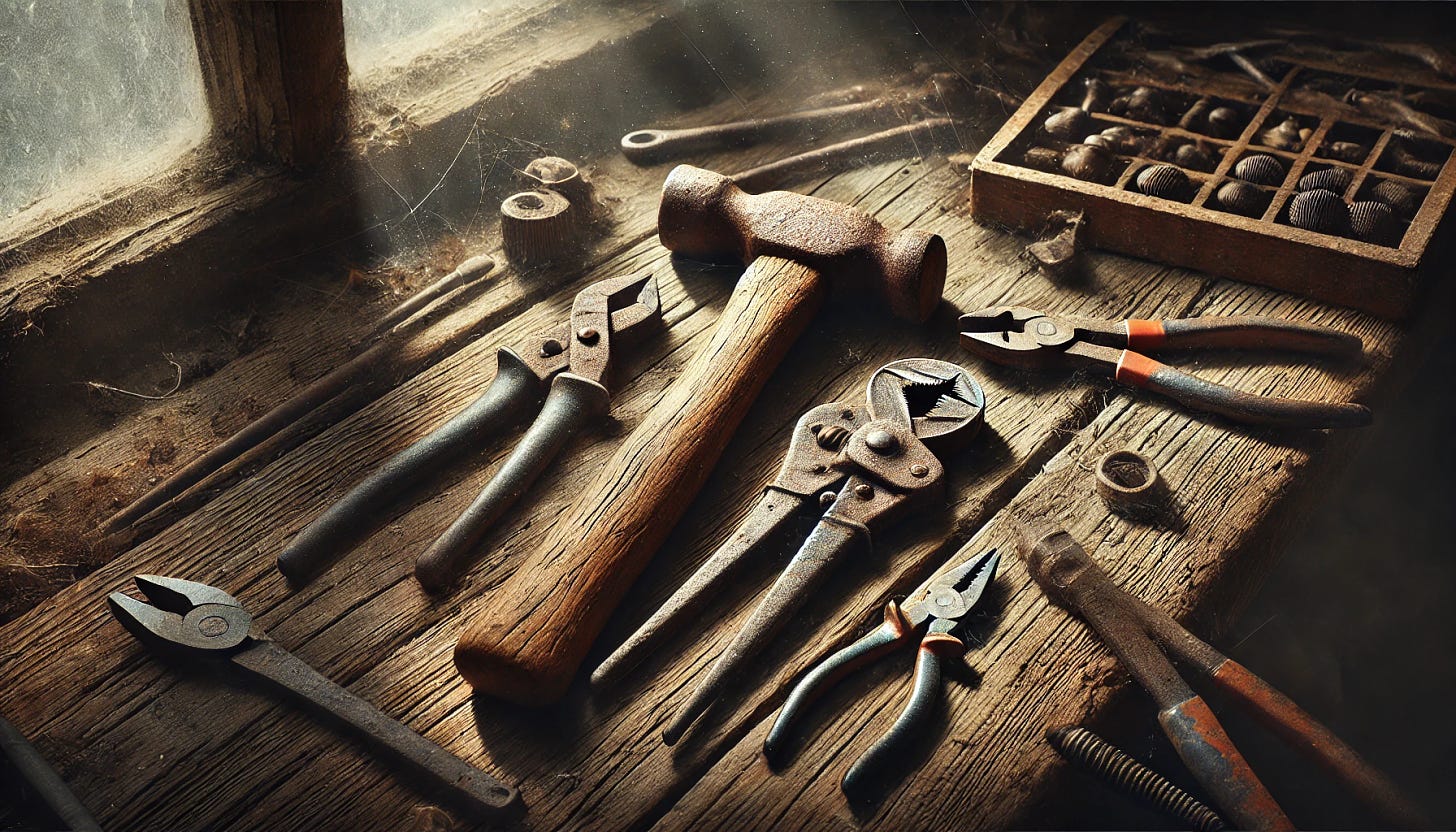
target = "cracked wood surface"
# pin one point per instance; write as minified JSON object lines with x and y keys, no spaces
{"x":148,"y":744}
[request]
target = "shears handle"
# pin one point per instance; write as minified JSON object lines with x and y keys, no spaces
{"x":511,"y":396}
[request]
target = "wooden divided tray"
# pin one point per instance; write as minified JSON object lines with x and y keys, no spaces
{"x":1372,"y":132}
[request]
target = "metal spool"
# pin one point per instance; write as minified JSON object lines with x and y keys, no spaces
{"x":1373,"y":222}
{"x":1261,"y":169}
{"x":560,"y":175}
{"x":1242,"y":198}
{"x":537,"y":226}
{"x":1330,"y":179}
{"x":1164,"y":182}
{"x":1400,"y":198}
{"x":1320,"y":210}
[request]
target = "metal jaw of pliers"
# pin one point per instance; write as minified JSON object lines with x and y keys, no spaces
{"x":1028,"y":339}
{"x":864,"y":466}
{"x":1145,"y":638}
{"x":566,"y":366}
{"x":941,"y":610}
{"x":195,"y":620}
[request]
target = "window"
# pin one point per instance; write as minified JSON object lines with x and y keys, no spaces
{"x":90,"y":89}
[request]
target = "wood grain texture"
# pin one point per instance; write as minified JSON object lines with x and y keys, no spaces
{"x":527,"y":646}
{"x":274,"y":76}
{"x":148,"y":744}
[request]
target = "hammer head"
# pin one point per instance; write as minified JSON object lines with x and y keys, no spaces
{"x":704,"y":215}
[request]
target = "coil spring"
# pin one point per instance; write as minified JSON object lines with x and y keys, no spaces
{"x":1084,"y":748}
{"x":831,"y":437}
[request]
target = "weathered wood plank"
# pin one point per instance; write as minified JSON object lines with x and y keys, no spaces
{"x":1038,"y":668}
{"x":366,"y":624}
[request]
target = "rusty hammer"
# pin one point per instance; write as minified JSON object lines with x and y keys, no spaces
{"x":529,"y":641}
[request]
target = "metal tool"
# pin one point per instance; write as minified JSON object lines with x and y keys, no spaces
{"x":941,"y":610}
{"x":199,"y":621}
{"x":571,"y":361}
{"x":44,"y":780}
{"x":941,"y":94}
{"x":865,"y":466}
{"x":1113,"y":766}
{"x":526,"y":645}
{"x":1135,"y":632}
{"x":1028,"y":339}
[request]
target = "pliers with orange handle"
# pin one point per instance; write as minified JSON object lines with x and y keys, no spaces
{"x":1029,"y":339}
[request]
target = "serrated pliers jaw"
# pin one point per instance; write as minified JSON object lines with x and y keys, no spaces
{"x":183,"y":615}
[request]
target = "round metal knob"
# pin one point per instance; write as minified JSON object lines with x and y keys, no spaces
{"x":882,"y":442}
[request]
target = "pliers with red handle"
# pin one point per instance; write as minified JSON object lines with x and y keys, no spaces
{"x":1029,"y":339}
{"x":1147,"y":640}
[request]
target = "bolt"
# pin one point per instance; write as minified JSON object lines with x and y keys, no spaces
{"x":551,"y":347}
{"x":587,"y":335}
{"x":827,"y":498}
{"x":213,"y":626}
{"x":918,"y":470}
{"x":1046,"y":328}
{"x":864,"y":491}
{"x":882,"y":442}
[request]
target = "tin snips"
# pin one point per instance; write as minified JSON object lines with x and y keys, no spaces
{"x":567,"y":366}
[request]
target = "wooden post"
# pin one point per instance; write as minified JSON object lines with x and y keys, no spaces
{"x":275,"y":76}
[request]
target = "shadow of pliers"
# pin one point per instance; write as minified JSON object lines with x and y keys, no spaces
{"x":941,"y":610}
{"x":567,"y":366}
{"x":196,"y":621}
{"x":1145,"y":638}
{"x":1026,"y":338}
{"x":863,"y":466}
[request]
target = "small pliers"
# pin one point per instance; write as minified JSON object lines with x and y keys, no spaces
{"x":942,"y":610}
{"x":864,"y":466}
{"x":199,"y":621}
{"x":571,"y":362}
{"x":1145,"y":638}
{"x":1028,"y":339}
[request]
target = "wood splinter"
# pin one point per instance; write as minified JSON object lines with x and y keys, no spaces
{"x":1056,"y":252}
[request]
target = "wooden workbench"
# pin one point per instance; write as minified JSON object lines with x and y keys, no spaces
{"x":151,"y":745}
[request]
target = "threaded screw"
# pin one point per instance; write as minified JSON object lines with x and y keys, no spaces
{"x":1097,"y":756}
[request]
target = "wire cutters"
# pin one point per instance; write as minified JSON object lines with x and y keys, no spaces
{"x":863,"y":466}
{"x":941,"y":609}
{"x":1028,"y":339}
{"x":571,"y":362}
{"x":1135,"y":632}
{"x":195,"y":620}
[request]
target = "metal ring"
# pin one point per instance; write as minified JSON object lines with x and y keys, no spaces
{"x":1130,"y":483}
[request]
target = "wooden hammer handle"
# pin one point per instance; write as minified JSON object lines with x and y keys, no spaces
{"x":540,"y":624}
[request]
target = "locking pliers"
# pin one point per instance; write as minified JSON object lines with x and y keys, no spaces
{"x":1029,"y":339}
{"x":864,"y":466}
{"x":198,"y":621}
{"x":571,"y":362}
